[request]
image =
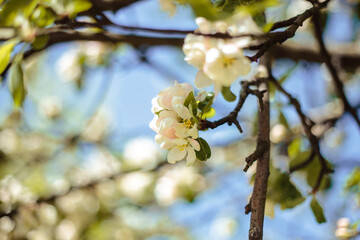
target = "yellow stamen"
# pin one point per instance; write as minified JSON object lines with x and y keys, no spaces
{"x":187,"y":123}
{"x":182,"y":147}
{"x":228,"y":61}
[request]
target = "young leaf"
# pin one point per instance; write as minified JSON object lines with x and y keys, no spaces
{"x":210,"y":113}
{"x":294,"y":148}
{"x":205,"y":151}
{"x":205,"y":105}
{"x":40,"y":42}
{"x":317,"y":210}
{"x":227,"y":94}
{"x":16,"y":84}
{"x":190,"y":100}
{"x":283,"y":121}
{"x":5,"y":53}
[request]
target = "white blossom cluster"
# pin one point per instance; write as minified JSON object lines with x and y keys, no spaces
{"x":175,"y":124}
{"x":220,"y":60}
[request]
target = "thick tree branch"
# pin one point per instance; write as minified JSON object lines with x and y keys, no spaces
{"x":258,"y":197}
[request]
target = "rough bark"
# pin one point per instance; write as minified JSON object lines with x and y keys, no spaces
{"x":258,"y":197}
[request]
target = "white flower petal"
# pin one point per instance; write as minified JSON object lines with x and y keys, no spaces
{"x":201,"y":80}
{"x":194,"y":144}
{"x":182,"y":111}
{"x":191,"y":156}
{"x":176,"y":154}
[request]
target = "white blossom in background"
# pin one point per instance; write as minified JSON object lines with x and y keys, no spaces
{"x":12,"y":191}
{"x":278,"y":133}
{"x":174,"y":123}
{"x":170,"y":185}
{"x":66,"y":230}
{"x":68,"y":66}
{"x":220,"y":61}
{"x":50,"y":107}
{"x":98,"y":126}
{"x":344,"y":230}
{"x":101,"y":164}
{"x":136,"y":184}
{"x":168,"y":6}
{"x":223,"y":227}
{"x":92,"y":53}
{"x":147,"y":158}
{"x":9,"y":141}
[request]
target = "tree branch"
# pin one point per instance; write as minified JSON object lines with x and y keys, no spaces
{"x":280,"y":37}
{"x":307,"y":124}
{"x":232,"y":117}
{"x":258,"y":197}
{"x":91,"y":184}
{"x":336,"y":79}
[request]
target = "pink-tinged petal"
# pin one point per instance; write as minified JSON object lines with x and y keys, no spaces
{"x":169,"y":133}
{"x":201,"y":96}
{"x":201,"y":80}
{"x":176,"y":154}
{"x":194,"y":144}
{"x":167,"y":144}
{"x":165,"y":101}
{"x":182,"y":111}
{"x":167,"y":114}
{"x":153,"y":124}
{"x":191,"y":156}
{"x":177,"y":100}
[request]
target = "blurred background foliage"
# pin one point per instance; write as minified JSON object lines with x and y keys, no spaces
{"x":78,"y":160}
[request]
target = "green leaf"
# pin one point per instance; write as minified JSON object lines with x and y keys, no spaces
{"x":258,"y":6}
{"x":204,"y":8}
{"x":190,"y":101}
{"x":14,"y":11}
{"x":16,"y":84}
{"x":283,"y":120}
{"x":40,"y":42}
{"x":317,"y":210}
{"x":294,"y":148}
{"x":353,"y":182}
{"x":312,"y":169}
{"x":5,"y":53}
{"x":205,"y":152}
{"x":299,"y":158}
{"x":227,"y":94}
{"x":282,"y":191}
{"x":77,"y":6}
{"x":205,"y":105}
{"x":267,"y":27}
{"x":43,"y":16}
{"x":210,"y":113}
{"x":219,"y":3}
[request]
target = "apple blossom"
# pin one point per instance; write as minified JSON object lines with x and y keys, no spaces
{"x":184,"y":148}
{"x":220,"y":61}
{"x":175,"y":122}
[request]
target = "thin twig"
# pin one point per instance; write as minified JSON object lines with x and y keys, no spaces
{"x":333,"y":71}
